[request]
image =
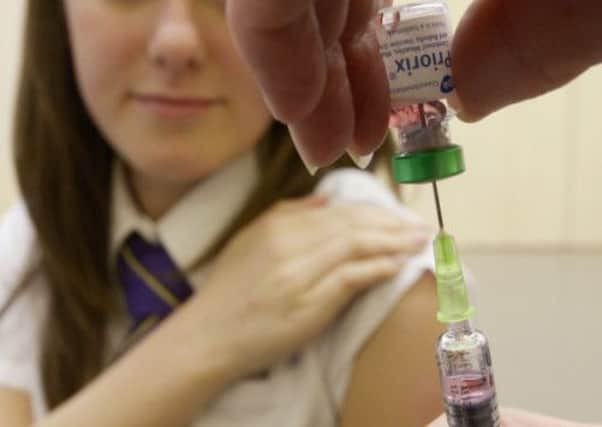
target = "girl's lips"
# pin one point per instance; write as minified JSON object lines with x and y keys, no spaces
{"x":171,"y":107}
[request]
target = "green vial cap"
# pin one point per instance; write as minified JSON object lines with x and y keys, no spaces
{"x":451,"y":287}
{"x":429,"y":165}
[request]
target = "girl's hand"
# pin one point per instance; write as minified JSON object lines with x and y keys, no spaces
{"x":281,"y":281}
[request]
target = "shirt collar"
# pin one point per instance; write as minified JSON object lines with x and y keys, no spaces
{"x":194,"y":224}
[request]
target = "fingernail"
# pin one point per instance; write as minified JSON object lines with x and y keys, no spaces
{"x":310,"y":168}
{"x":454,"y":102}
{"x":361,"y":162}
{"x":420,"y":239}
{"x":416,"y":221}
{"x":400,"y":259}
{"x":384,"y":139}
{"x":425,"y":229}
{"x":458,"y":108}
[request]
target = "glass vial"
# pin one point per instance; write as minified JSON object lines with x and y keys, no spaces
{"x":467,"y":377}
{"x":415,"y":44}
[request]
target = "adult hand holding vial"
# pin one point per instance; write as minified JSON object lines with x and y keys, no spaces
{"x":319,"y":66}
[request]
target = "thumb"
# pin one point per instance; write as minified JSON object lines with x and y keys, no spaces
{"x":506,"y":51}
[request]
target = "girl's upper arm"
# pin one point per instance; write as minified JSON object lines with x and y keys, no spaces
{"x":395,"y":380}
{"x":15,"y":408}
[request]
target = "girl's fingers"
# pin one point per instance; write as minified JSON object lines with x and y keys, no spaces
{"x":378,"y":217}
{"x":344,"y":217}
{"x":333,"y":233}
{"x":301,"y":204}
{"x":322,"y":260}
{"x":341,"y":285}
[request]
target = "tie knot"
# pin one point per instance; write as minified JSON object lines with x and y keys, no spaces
{"x":152,"y":283}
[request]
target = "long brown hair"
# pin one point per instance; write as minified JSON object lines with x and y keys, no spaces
{"x":63,"y":167}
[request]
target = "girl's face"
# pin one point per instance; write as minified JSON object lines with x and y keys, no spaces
{"x":163,"y":82}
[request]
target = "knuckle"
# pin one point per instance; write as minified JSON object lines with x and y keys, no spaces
{"x":273,"y":241}
{"x":355,"y":245}
{"x":345,"y":278}
{"x":354,"y":217}
{"x":284,"y":275}
{"x":276,"y":249}
{"x":341,"y":247}
{"x":335,"y":226}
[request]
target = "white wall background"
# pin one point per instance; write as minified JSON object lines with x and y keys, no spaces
{"x":533,"y":173}
{"x":532,"y":186}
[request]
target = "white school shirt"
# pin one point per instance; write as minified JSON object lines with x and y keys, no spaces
{"x":305,"y":391}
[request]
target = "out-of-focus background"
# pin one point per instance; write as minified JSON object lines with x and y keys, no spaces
{"x":10,"y":45}
{"x":527,"y":215}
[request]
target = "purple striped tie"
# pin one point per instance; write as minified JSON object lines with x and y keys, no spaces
{"x":152,"y":283}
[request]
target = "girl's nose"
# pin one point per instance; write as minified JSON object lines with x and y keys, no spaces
{"x":177,"y":46}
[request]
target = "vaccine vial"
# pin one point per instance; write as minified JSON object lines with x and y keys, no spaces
{"x":415,"y":45}
{"x":466,"y":374}
{"x":419,"y":127}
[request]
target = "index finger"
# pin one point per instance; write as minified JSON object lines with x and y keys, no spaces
{"x":282,"y":43}
{"x":361,"y":12}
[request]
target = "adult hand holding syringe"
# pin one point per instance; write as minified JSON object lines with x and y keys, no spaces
{"x":504,"y":52}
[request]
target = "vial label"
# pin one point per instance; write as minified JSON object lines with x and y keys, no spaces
{"x":417,"y":56}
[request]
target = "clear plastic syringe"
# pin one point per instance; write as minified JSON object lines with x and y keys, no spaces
{"x":415,"y":41}
{"x":463,"y":352}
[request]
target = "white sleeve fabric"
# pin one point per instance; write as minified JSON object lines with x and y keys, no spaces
{"x":339,"y":347}
{"x":19,"y":326}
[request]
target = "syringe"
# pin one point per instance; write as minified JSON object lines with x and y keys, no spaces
{"x":415,"y":44}
{"x":463,"y":352}
{"x":438,"y":206}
